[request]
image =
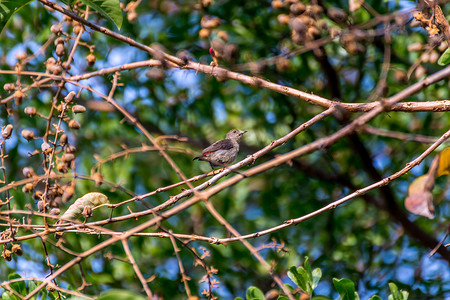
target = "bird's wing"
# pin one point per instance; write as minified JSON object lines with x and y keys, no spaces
{"x":219,"y":145}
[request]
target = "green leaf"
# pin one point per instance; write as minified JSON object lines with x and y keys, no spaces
{"x":110,"y":9}
{"x":18,"y":286}
{"x":51,"y":295}
{"x":238,"y":298}
{"x":120,"y":294}
{"x":298,"y":275}
{"x":289,"y":287}
{"x":32,"y":286}
{"x":316,"y":276}
{"x":405,"y":295}
{"x":445,"y":58}
{"x":253,"y":293}
{"x":8,"y":8}
{"x":375,"y":297}
{"x":321,"y":297}
{"x":395,"y":295}
{"x":345,"y":288}
{"x":282,"y":298}
{"x":308,"y":266}
{"x":5,"y":296}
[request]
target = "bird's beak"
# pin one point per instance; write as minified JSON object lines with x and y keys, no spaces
{"x":242,"y":132}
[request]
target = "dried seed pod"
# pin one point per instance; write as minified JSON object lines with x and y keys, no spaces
{"x":68,"y":193}
{"x":297,"y":8}
{"x":46,"y":148}
{"x":74,"y":124}
{"x":6,"y":133}
{"x":37,"y":195}
{"x":62,"y":167}
{"x":60,"y":50}
{"x":56,"y":29}
{"x":27,"y":134}
{"x":98,"y":178}
{"x":337,"y":15}
{"x":334,"y":32}
{"x":354,"y":48}
{"x":91,"y":59}
{"x":41,"y":206}
{"x":298,"y":26}
{"x":68,"y":157}
{"x":443,"y":46}
{"x":316,"y":10}
{"x":277,"y":4}
{"x":204,"y":33}
{"x":70,"y":149}
{"x":312,"y":33}
{"x":131,"y":15}
{"x":57,"y":202}
{"x":434,"y":56}
{"x":55,"y":211}
{"x":50,"y":61}
{"x":206,"y":3}
{"x":78,"y":109}
{"x":59,"y":41}
{"x":18,"y":97}
{"x":419,"y":72}
{"x":9,"y":87}
{"x":283,"y":19}
{"x":50,"y":289}
{"x":282,"y":64}
{"x":425,"y":57}
{"x":28,"y":172}
{"x":28,"y":188}
{"x":400,"y":76}
{"x":87,"y":212}
{"x":66,"y":65}
{"x":7,"y":254}
{"x":223,"y":35}
{"x":17,"y":249}
{"x":77,"y":29}
{"x":322,"y":25}
{"x":68,"y":20}
{"x":29,"y":110}
{"x":55,"y":69}
{"x":60,"y":107}
{"x":297,"y":38}
{"x":210,"y":22}
{"x":63,"y":140}
{"x":415,"y":47}
{"x":69,"y":97}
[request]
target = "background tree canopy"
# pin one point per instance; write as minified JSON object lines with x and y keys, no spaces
{"x":344,"y":104}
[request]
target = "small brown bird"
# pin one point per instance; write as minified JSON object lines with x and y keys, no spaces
{"x":222,"y":152}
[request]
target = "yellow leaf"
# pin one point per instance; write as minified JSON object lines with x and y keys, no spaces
{"x":420,"y":200}
{"x":444,"y":163}
{"x":418,"y":185}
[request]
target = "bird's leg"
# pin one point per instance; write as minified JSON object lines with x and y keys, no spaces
{"x":212,"y":167}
